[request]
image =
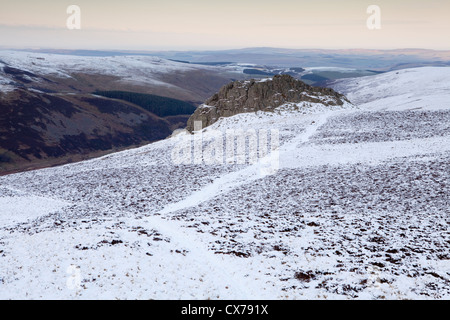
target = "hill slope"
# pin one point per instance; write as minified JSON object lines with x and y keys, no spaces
{"x":48,"y":115}
{"x":40,"y":129}
{"x":350,"y":203}
{"x":424,"y":88}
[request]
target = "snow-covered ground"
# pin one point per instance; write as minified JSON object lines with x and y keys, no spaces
{"x":5,"y":84}
{"x":424,"y":88}
{"x":357,"y":207}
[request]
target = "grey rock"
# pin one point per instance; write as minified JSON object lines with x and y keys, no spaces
{"x":256,"y":95}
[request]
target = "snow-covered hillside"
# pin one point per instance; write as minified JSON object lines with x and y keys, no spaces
{"x":356,"y":206}
{"x":5,"y":84}
{"x":426,"y":88}
{"x":134,"y":69}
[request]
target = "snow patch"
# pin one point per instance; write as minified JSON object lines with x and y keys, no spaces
{"x":20,"y":209}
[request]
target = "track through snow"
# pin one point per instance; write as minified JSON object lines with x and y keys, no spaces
{"x":218,"y":269}
{"x":253,"y":172}
{"x":223,"y":185}
{"x":233,"y":278}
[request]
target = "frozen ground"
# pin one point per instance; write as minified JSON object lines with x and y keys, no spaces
{"x":356,"y":208}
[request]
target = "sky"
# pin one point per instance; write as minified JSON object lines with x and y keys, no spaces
{"x":219,"y":24}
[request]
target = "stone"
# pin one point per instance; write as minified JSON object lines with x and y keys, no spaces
{"x":261,"y":95}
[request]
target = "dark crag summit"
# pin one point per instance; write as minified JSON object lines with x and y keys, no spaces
{"x":261,"y":95}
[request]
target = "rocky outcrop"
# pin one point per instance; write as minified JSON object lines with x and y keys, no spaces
{"x":261,"y":95}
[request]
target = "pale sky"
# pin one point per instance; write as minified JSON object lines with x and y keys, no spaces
{"x":219,"y":24}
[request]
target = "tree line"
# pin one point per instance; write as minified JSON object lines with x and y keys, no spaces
{"x":161,"y":106}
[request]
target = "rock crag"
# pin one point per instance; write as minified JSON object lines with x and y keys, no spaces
{"x":261,"y":95}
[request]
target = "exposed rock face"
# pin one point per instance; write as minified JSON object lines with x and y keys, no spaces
{"x":260,"y":95}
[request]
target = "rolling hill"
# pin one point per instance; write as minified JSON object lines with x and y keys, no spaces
{"x":348,"y":202}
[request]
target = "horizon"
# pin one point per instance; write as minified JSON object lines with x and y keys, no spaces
{"x":118,"y":50}
{"x":202,"y":25}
